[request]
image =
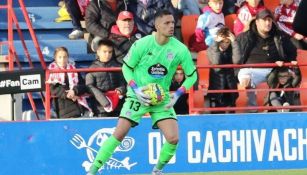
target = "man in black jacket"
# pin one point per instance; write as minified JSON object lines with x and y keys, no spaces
{"x":100,"y":16}
{"x":124,"y":34}
{"x":262,"y":43}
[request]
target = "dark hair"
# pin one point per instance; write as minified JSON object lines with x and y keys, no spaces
{"x":282,"y":69}
{"x":224,"y":32}
{"x":58,"y":49}
{"x":161,"y":13}
{"x":105,"y":42}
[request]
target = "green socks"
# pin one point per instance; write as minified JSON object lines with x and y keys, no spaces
{"x":167,"y":152}
{"x":104,"y":153}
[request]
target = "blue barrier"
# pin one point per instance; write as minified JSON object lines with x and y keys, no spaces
{"x":207,"y":143}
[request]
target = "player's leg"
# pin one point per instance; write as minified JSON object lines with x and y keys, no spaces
{"x":108,"y":147}
{"x":169,"y":128}
{"x":131,"y":114}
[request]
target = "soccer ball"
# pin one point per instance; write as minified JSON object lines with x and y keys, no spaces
{"x":156,"y":92}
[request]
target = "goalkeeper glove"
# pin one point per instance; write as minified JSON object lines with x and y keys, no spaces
{"x":174,"y":97}
{"x":139,"y":92}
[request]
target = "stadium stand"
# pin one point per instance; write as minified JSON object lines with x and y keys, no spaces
{"x":50,"y":35}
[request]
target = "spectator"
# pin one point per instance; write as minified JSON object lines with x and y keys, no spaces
{"x":262,"y":43}
{"x":124,"y":34}
{"x":181,"y":107}
{"x":66,"y":88}
{"x":189,"y":7}
{"x":246,"y":14}
{"x":283,"y":77}
{"x":224,"y":50}
{"x":285,"y":14}
{"x":101,"y":83}
{"x":100,"y":16}
{"x":144,"y":11}
{"x":210,"y":22}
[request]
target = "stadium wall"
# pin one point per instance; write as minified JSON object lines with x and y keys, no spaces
{"x":207,"y":143}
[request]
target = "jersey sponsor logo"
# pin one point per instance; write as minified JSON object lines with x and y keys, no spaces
{"x":157,"y":70}
{"x":95,"y":141}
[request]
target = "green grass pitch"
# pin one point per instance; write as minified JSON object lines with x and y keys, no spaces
{"x":263,"y":172}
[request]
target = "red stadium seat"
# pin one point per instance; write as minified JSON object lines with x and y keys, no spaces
{"x":188,"y":25}
{"x":229,"y":21}
{"x":261,"y":95}
{"x":203,"y":73}
{"x":302,"y":59}
{"x":271,"y":4}
{"x":242,"y":99}
{"x":303,"y":97}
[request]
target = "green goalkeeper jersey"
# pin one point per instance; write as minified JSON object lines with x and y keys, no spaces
{"x":148,"y":62}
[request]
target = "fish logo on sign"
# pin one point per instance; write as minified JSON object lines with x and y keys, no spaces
{"x":94,"y":143}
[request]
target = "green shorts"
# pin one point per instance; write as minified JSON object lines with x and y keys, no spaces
{"x":133,"y":110}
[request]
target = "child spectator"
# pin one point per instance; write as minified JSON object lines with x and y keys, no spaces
{"x":66,"y":88}
{"x":210,"y":22}
{"x":283,"y":77}
{"x":285,"y":14}
{"x":224,"y":50}
{"x":100,"y":84}
{"x":181,"y":106}
{"x":124,"y":34}
{"x":246,"y":14}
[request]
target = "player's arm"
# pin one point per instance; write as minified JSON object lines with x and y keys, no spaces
{"x":130,"y":61}
{"x":189,"y":69}
{"x":191,"y":77}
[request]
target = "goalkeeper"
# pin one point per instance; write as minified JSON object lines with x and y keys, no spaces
{"x":152,"y":59}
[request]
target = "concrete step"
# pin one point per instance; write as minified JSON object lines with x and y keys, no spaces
{"x":41,"y":17}
{"x":41,"y":34}
{"x":48,"y":47}
{"x":36,"y":3}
